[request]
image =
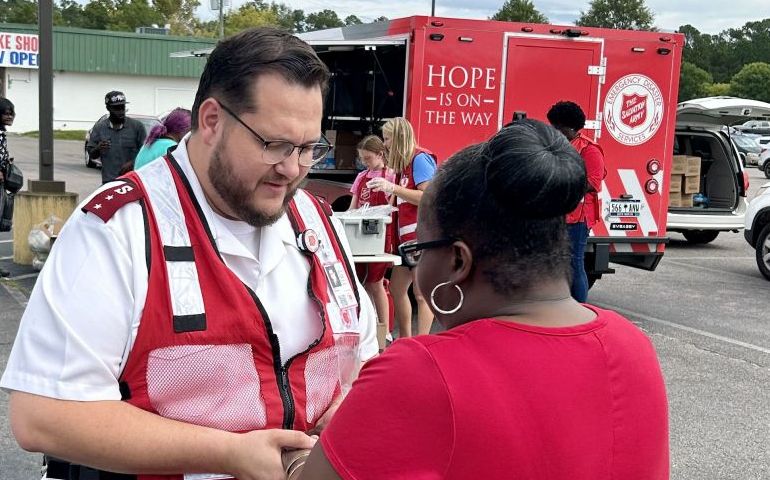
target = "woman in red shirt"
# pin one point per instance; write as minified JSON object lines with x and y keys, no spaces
{"x":569,"y":119}
{"x":526,"y":383}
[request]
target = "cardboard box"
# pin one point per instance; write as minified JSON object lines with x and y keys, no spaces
{"x":680,"y":200}
{"x":675,"y":199}
{"x":679,"y":165}
{"x":691,"y":184}
{"x":676,"y":184}
{"x":693,"y":167}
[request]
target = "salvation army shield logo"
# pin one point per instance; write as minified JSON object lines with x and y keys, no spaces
{"x":633,"y":109}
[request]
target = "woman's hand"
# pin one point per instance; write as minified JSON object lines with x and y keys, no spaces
{"x":379,"y":184}
{"x":257,"y":455}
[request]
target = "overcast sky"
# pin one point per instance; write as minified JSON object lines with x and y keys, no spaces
{"x":708,"y":16}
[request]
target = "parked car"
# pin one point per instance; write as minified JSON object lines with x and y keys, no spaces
{"x":757,"y":230}
{"x":723,"y":181}
{"x":748,"y":146}
{"x":148,"y":121}
{"x":761,"y":127}
{"x":764,"y":160}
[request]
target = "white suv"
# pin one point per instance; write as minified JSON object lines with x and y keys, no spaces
{"x":721,"y":197}
{"x":757,"y":230}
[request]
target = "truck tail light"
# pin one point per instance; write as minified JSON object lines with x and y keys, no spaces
{"x":653,"y":167}
{"x":651,"y":186}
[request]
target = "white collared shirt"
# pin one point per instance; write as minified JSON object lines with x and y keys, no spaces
{"x":85,"y":309}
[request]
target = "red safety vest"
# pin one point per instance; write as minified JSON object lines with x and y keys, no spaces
{"x":407,"y":212}
{"x":589,"y":209}
{"x":205,"y":352}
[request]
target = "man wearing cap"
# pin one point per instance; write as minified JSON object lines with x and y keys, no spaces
{"x":116,"y":139}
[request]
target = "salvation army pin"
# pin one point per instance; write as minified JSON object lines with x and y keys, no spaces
{"x":308,"y":241}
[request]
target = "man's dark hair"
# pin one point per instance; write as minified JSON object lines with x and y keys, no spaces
{"x":237,"y":62}
{"x":567,"y":114}
{"x":507,"y":199}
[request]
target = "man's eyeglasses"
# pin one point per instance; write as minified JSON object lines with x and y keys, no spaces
{"x":411,"y":252}
{"x":276,"y":151}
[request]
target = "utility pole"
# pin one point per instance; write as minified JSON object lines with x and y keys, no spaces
{"x":221,"y":19}
{"x":432,"y":8}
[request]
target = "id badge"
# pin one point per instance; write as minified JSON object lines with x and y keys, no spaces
{"x":340,"y":286}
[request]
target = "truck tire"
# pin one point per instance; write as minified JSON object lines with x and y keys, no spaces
{"x":763,"y":252}
{"x":700,"y":236}
{"x":766,"y":169}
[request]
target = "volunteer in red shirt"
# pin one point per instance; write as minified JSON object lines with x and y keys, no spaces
{"x":414,"y":167}
{"x":526,"y":382}
{"x":569,"y":119}
{"x":372,"y":152}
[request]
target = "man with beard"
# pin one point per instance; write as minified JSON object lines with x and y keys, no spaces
{"x":191,"y":299}
{"x":115,"y":138}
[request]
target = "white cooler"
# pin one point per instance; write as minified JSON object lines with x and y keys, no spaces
{"x":366,"y":233}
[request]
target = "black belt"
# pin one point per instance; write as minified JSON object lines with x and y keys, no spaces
{"x":59,"y":469}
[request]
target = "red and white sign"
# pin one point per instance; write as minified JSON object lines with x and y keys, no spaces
{"x":633,"y":109}
{"x":19,"y":50}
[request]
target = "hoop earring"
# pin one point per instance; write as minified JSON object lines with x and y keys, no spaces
{"x":436,"y":307}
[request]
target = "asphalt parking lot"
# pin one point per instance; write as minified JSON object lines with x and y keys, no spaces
{"x":706,"y":308}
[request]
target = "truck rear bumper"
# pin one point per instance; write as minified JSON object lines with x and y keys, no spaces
{"x":599,"y":255}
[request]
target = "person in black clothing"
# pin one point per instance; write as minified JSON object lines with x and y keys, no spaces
{"x":116,"y":139}
{"x":7,"y":114}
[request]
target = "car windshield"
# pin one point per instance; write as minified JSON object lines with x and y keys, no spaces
{"x":745,"y":142}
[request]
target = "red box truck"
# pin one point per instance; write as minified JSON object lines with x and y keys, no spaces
{"x":458,"y":81}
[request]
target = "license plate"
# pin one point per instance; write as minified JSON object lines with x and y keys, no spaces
{"x":625,"y":208}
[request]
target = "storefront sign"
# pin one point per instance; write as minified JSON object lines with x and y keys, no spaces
{"x":19,"y":50}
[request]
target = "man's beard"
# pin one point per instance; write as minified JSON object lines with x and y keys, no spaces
{"x":237,"y":195}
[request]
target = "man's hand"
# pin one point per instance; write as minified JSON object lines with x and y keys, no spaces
{"x":257,"y":455}
{"x":104,"y":146}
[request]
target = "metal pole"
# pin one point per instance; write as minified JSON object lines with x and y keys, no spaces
{"x":221,"y":18}
{"x":45,"y":92}
{"x":432,"y":8}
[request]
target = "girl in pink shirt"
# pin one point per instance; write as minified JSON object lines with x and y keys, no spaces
{"x":372,"y":152}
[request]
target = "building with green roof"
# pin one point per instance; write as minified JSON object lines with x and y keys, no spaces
{"x":89,"y":63}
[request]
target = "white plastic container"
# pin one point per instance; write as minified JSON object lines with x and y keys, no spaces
{"x":366,"y":233}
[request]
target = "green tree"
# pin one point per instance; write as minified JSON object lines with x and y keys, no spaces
{"x":718,"y":90}
{"x":352,"y":20}
{"x":621,"y":14}
{"x":97,"y":14}
{"x":69,"y":13}
{"x":180,"y":14}
{"x":381,"y":19}
{"x":131,"y":14}
{"x":753,"y":81}
{"x":323,"y":19}
{"x":18,"y":11}
{"x":519,"y":11}
{"x":693,"y":82}
{"x":248,"y":16}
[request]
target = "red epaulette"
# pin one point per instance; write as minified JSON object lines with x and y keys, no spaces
{"x":107,"y":202}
